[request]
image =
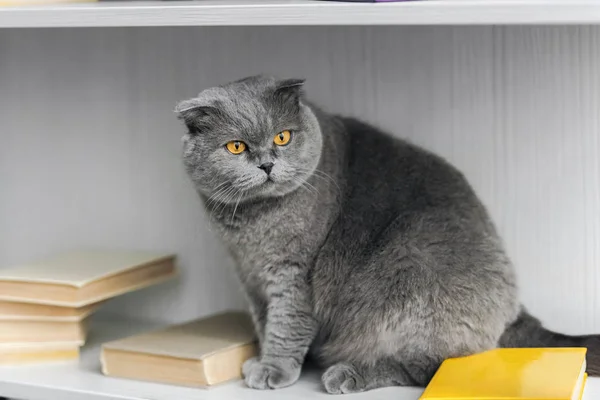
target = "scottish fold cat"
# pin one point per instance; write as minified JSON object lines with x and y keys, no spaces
{"x":372,"y":254}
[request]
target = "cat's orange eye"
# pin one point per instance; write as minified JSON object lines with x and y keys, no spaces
{"x":282,"y":138}
{"x":236,"y":147}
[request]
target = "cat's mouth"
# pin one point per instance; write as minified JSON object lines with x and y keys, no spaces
{"x":264,"y":185}
{"x":268,"y":185}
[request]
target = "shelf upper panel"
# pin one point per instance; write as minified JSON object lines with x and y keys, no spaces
{"x":302,"y":12}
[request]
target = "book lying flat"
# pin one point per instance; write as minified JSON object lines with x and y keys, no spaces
{"x":42,"y":331}
{"x":38,"y":353}
{"x":81,"y":278}
{"x":203,"y":352}
{"x":23,"y":3}
{"x":511,"y":374}
{"x":15,"y":311}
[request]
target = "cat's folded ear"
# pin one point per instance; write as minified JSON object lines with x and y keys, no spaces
{"x":194,"y":114}
{"x":290,"y":90}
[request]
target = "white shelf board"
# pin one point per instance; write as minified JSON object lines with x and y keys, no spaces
{"x":302,"y":12}
{"x":83,"y":380}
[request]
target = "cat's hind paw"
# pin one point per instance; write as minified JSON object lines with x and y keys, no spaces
{"x":343,"y":378}
{"x":262,"y":375}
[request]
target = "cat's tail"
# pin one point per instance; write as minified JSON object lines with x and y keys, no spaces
{"x":527,"y":331}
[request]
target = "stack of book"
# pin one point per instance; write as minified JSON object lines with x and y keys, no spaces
{"x":45,"y":306}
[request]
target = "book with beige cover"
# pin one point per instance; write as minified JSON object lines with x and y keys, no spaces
{"x":22,"y":3}
{"x":23,"y":332}
{"x":203,"y":352}
{"x":15,"y":311}
{"x":81,"y":278}
{"x":32,"y":353}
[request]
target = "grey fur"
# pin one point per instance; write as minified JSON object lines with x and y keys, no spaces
{"x":371,"y":252}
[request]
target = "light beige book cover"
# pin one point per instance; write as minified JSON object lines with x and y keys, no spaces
{"x":42,"y":331}
{"x":80,"y":278}
{"x":37,"y":353}
{"x":16,"y":311}
{"x":203,"y":352}
{"x":23,"y":3}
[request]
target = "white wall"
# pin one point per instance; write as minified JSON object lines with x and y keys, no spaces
{"x":89,"y":147}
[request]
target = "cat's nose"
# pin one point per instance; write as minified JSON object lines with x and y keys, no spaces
{"x":267,"y":167}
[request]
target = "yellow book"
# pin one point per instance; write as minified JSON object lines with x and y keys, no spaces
{"x":203,"y":352}
{"x":78,"y":279}
{"x":511,"y":374}
{"x":20,"y":354}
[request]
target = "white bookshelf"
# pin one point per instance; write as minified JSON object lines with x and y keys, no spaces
{"x":89,"y":146}
{"x":302,"y":12}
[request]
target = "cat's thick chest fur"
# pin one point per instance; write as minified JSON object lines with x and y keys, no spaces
{"x":265,"y":238}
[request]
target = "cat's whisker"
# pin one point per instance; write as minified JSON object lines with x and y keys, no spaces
{"x":221,"y":185}
{"x":323,"y":176}
{"x":227,"y":203}
{"x":227,"y":198}
{"x":311,"y":186}
{"x":230,"y":197}
{"x":221,"y":188}
{"x":303,"y":184}
{"x":215,"y":196}
{"x":222,"y":200}
{"x":247,"y":183}
{"x":236,"y":205}
{"x":245,"y":179}
{"x":326,"y":176}
{"x":216,"y":193}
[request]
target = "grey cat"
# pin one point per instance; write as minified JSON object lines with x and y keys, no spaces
{"x":370,"y":254}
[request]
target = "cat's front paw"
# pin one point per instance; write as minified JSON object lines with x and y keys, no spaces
{"x":263,"y":375}
{"x":247,"y":366}
{"x":343,"y":378}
